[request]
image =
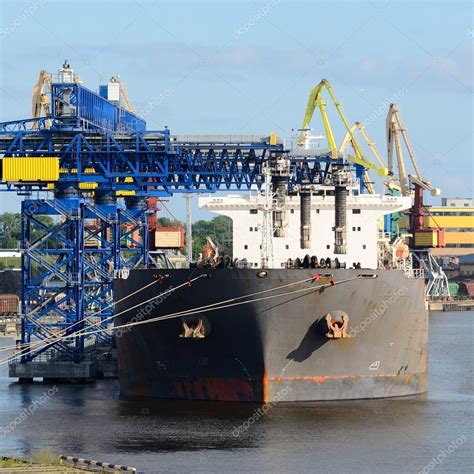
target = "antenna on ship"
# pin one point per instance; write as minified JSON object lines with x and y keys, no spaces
{"x":189,"y":232}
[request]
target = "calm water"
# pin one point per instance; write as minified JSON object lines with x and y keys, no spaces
{"x":398,"y":435}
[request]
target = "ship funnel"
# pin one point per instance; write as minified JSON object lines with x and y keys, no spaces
{"x":305,"y":219}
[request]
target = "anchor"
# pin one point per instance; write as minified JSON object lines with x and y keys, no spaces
{"x":337,"y":323}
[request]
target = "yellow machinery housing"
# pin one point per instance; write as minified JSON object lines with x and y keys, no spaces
{"x":24,"y":169}
{"x":429,"y":238}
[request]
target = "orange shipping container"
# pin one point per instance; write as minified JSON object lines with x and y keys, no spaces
{"x":169,"y":237}
{"x":9,"y":304}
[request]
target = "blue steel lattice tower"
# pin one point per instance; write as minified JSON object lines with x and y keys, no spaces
{"x":97,"y":164}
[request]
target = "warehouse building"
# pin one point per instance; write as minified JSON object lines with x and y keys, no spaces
{"x":456,"y":217}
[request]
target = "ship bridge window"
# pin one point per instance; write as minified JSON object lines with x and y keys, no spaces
{"x":364,"y":246}
{"x":358,"y":228}
{"x":355,"y":211}
{"x":251,"y":229}
{"x":253,"y":211}
{"x":292,"y":211}
{"x":246,"y":247}
{"x":328,"y":246}
{"x":287,"y":247}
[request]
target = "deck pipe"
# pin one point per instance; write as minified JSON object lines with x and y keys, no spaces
{"x":340,"y":233}
{"x":280,"y":216}
{"x":305,"y":219}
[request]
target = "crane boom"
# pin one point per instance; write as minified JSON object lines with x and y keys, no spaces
{"x":381,"y":169}
{"x":315,"y":100}
{"x":123,"y":95}
{"x":395,"y":128}
{"x":40,"y":100}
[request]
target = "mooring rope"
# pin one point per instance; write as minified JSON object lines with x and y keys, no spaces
{"x":6,"y":348}
{"x":49,"y":341}
{"x":78,"y":333}
{"x":207,"y":308}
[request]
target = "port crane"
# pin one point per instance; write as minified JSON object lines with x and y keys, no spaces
{"x":316,"y":100}
{"x":396,"y":129}
{"x":422,"y":238}
{"x":95,"y":165}
{"x":41,"y":96}
{"x":380,"y":169}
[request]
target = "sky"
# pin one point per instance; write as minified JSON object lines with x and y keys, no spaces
{"x":245,"y":67}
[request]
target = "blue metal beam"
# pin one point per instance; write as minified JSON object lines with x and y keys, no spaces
{"x":68,"y":268}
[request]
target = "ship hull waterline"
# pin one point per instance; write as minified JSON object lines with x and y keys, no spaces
{"x":275,"y":349}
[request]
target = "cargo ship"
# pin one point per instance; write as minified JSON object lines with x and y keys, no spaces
{"x":315,"y":305}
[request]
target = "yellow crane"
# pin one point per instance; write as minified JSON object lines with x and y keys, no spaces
{"x":380,"y":169}
{"x":41,"y":96}
{"x":316,"y":100}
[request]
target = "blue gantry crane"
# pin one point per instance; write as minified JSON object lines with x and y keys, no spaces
{"x":95,"y":163}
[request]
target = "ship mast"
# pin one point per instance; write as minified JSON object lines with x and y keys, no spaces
{"x":189,"y":227}
{"x":267,"y":221}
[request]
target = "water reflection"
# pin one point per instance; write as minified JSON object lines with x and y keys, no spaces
{"x":392,"y":435}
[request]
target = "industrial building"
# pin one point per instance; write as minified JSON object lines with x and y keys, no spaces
{"x":456,"y":217}
{"x":466,"y":265}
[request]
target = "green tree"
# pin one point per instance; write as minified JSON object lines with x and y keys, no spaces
{"x":167,"y":222}
{"x":10,"y":230}
{"x":219,"y":229}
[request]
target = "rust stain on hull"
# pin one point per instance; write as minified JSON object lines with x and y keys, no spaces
{"x":213,"y":389}
{"x":324,"y":378}
{"x":265,"y":387}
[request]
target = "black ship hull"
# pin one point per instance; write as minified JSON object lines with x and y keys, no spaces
{"x":278,"y":347}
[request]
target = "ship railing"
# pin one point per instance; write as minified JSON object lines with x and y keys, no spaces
{"x":45,"y":357}
{"x":415,"y":273}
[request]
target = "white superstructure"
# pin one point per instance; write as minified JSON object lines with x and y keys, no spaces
{"x":364,"y":213}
